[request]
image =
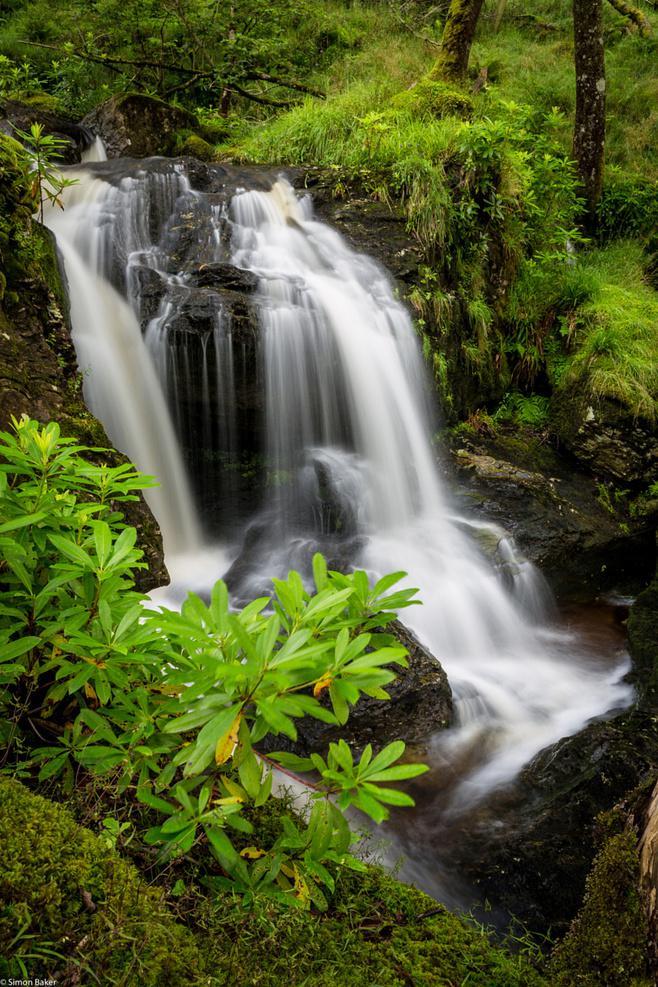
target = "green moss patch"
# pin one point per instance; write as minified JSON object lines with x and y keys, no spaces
{"x":68,"y":902}
{"x":63,"y":891}
{"x":429,"y":98}
{"x":615,"y":333}
{"x":606,"y":945}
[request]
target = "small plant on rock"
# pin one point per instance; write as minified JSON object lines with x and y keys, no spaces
{"x":43,"y":151}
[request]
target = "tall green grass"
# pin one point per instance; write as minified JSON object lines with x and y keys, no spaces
{"x":616,"y":333}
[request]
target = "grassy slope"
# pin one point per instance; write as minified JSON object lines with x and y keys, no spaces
{"x":405,"y":150}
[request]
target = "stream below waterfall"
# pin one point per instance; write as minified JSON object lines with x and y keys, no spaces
{"x":267,"y":374}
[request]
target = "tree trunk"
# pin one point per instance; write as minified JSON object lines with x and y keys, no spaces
{"x":589,"y":130}
{"x":458,"y":34}
{"x":500,"y":13}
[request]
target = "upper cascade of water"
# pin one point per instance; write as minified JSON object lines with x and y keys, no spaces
{"x":272,"y":351}
{"x":100,"y":229}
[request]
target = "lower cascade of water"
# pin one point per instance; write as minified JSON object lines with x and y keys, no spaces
{"x":244,"y":353}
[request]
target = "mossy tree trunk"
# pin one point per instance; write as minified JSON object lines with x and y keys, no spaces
{"x":589,"y":130}
{"x":458,"y":34}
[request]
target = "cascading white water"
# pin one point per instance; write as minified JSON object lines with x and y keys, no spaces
{"x":350,"y":462}
{"x":343,"y":370}
{"x":120,"y":384}
{"x":95,"y":151}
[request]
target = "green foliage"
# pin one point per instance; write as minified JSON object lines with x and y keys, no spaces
{"x":205,"y":54}
{"x":17,"y":203}
{"x":17,"y":80}
{"x":628,"y":206}
{"x":614,"y":351}
{"x":530,"y":411}
{"x":42,"y":151}
{"x":173,"y":704}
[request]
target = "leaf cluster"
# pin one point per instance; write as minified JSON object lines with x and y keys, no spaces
{"x":172,"y":705}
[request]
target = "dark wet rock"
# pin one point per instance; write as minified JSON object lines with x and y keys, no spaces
{"x":224,"y":277}
{"x":15,"y":115}
{"x":138,"y":126}
{"x":643,"y":643}
{"x":555,"y":512}
{"x":534,"y":857}
{"x":608,"y":439}
{"x":420,"y":706}
{"x":369,"y":225}
{"x":149,"y":287}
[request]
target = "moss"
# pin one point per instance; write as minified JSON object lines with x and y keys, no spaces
{"x":615,"y":346}
{"x":377,"y":933}
{"x":606,"y":945}
{"x":437,"y":99}
{"x":78,"y":898}
{"x":196,"y":147}
{"x":46,"y":102}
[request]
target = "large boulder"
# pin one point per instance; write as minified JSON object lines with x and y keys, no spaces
{"x":420,"y":706}
{"x":607,"y":438}
{"x":139,"y":126}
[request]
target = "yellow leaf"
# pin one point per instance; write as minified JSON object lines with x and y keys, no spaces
{"x":227,"y":743}
{"x":252,"y":853}
{"x":232,"y":788}
{"x":301,"y":888}
{"x":321,"y":685}
{"x":288,"y":871}
{"x":230,"y":800}
{"x":90,"y":692}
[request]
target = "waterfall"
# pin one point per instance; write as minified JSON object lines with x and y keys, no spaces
{"x":344,"y":378}
{"x":120,"y":383}
{"x":266,"y":372}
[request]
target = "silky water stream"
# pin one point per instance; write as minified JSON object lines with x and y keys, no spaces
{"x":244,"y":353}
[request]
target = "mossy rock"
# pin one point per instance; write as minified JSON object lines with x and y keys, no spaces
{"x":194,"y":146}
{"x":606,"y":945}
{"x":139,"y":126}
{"x":436,"y":99}
{"x":69,"y":893}
{"x":63,"y":890}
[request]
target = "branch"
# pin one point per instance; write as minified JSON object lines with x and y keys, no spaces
{"x":641,"y":21}
{"x":266,"y":77}
{"x":233,"y":87}
{"x":111,"y":62}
